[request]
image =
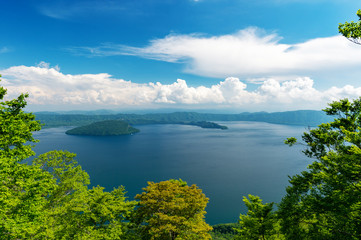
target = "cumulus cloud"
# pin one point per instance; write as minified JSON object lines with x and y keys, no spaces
{"x":48,"y":86}
{"x":249,"y":53}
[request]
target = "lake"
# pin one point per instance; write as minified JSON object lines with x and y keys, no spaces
{"x":248,"y":158}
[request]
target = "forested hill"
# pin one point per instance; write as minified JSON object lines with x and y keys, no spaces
{"x":302,"y":117}
{"x":104,"y":128}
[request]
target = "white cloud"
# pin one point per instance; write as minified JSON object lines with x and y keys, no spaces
{"x":48,"y":86}
{"x":249,"y":53}
{"x":300,"y":89}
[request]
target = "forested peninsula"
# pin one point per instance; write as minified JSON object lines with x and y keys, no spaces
{"x":104,"y":128}
{"x":120,"y":127}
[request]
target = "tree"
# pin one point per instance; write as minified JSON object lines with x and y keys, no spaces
{"x":76,"y":212}
{"x":22,"y":186}
{"x":172,"y":210}
{"x":16,"y":128}
{"x":325,"y":201}
{"x":225,"y":231}
{"x":352,"y":30}
{"x":260,"y":221}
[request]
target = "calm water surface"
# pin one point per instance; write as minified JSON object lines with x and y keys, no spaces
{"x":248,"y":158}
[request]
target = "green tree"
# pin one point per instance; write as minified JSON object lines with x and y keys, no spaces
{"x":260,"y":221}
{"x":324,"y":202}
{"x":76,"y":212}
{"x":352,"y":30}
{"x":172,"y":210}
{"x":16,"y":128}
{"x":22,"y":186}
{"x":224,"y":231}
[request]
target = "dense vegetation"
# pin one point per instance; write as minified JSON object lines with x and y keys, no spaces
{"x":104,"y":128}
{"x":171,"y":210}
{"x":325,"y":202}
{"x":225,"y":231}
{"x":50,"y":198}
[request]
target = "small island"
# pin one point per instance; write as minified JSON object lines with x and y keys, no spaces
{"x":104,"y":128}
{"x":205,"y":124}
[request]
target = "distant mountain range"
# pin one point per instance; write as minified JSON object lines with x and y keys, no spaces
{"x":302,"y":117}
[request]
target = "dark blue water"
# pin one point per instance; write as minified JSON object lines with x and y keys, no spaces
{"x":248,"y":158}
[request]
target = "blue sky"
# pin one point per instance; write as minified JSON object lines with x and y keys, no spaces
{"x":231,"y":55}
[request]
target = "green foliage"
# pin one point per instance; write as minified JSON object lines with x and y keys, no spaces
{"x":104,"y":128}
{"x":325,"y":201}
{"x":225,"y":231}
{"x":16,"y":128}
{"x":22,"y":187}
{"x":291,"y":141}
{"x":92,"y":214}
{"x":73,"y":211}
{"x":260,"y":221}
{"x":65,"y":170}
{"x":171,"y":210}
{"x":22,"y":200}
{"x":352,"y":30}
